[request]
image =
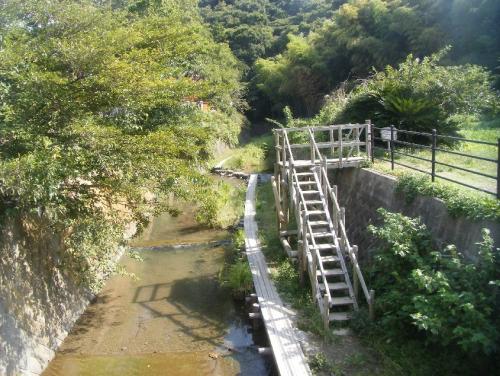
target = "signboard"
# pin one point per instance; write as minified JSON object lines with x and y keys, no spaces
{"x":385,"y":134}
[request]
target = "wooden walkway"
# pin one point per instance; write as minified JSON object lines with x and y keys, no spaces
{"x":287,"y":352}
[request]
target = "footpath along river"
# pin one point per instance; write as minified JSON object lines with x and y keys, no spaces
{"x":174,"y":320}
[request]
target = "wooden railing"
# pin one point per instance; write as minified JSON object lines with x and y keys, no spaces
{"x":341,"y":150}
{"x":341,"y":144}
{"x":352,"y":251}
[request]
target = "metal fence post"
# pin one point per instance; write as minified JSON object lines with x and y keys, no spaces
{"x":392,"y":147}
{"x":433,"y":158}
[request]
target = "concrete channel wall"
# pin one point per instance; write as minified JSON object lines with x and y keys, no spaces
{"x":38,"y":303}
{"x":363,"y":191}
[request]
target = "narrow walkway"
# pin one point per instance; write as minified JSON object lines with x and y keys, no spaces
{"x":288,"y":354}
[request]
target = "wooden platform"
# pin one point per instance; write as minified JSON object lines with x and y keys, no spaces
{"x":290,"y":359}
{"x":333,"y":163}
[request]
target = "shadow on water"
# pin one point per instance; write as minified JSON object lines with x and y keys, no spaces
{"x":194,"y":299}
{"x":175,"y":319}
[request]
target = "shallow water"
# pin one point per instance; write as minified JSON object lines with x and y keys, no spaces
{"x":174,"y":320}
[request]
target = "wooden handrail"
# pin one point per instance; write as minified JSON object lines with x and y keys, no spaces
{"x":287,"y":143}
{"x":314,"y":145}
{"x":310,"y":253}
{"x":345,"y":240}
{"x":318,"y":258}
{"x":335,"y":238}
{"x":319,"y":128}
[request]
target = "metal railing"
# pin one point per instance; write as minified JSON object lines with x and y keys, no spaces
{"x":433,"y":147}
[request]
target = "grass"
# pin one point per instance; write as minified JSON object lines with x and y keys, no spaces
{"x":254,"y":156}
{"x":483,"y":131}
{"x":235,"y":273}
{"x":224,"y":206}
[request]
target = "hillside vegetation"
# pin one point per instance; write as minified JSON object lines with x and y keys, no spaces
{"x":300,"y":51}
{"x":98,"y":120}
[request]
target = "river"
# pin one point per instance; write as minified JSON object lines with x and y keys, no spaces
{"x":175,"y":319}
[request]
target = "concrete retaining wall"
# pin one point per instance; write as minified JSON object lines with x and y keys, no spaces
{"x":363,"y":191}
{"x":38,"y":303}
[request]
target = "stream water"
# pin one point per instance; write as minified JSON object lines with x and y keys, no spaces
{"x":174,"y":320}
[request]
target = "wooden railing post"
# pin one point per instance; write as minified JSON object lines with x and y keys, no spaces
{"x":372,"y":127}
{"x":369,"y":140}
{"x":356,"y":135}
{"x":325,"y":183}
{"x":313,"y":274}
{"x":371,"y":306}
{"x":334,"y":211}
{"x":305,"y":246}
{"x":313,"y":150}
{"x":283,"y":152}
{"x":341,"y":147}
{"x":332,"y":140}
{"x":355,"y":278}
{"x":326,"y":313}
{"x":276,"y":147}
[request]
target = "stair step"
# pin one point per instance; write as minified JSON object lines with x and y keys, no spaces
{"x":345,"y":300}
{"x":315,"y":212}
{"x":340,"y":316}
{"x":304,"y":174}
{"x":314,"y":202}
{"x":318,"y":223}
{"x":323,"y":234}
{"x":307,"y":182}
{"x":337,"y":286}
{"x":330,"y":273}
{"x":330,"y":259}
{"x":310,"y":192}
{"x":324,"y":246}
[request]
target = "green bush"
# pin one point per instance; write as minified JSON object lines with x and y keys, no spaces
{"x":239,"y":278}
{"x":220,"y":204}
{"x":421,"y":95}
{"x":458,"y":203}
{"x":239,"y":239}
{"x":436,"y":296}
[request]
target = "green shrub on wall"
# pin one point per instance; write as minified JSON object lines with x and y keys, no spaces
{"x":458,"y":203}
{"x":434,"y":295}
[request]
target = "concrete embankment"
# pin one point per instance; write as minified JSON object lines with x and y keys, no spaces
{"x":38,"y":302}
{"x":363,"y":191}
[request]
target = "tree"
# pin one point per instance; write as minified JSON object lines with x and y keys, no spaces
{"x":97,"y":105}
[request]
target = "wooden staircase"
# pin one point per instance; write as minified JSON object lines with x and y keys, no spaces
{"x":330,"y":279}
{"x":324,"y":253}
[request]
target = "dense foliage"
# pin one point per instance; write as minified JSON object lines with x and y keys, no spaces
{"x":418,"y":95}
{"x":98,"y":116}
{"x":458,"y":202}
{"x":255,"y":29}
{"x":362,"y":35}
{"x":446,"y":302}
